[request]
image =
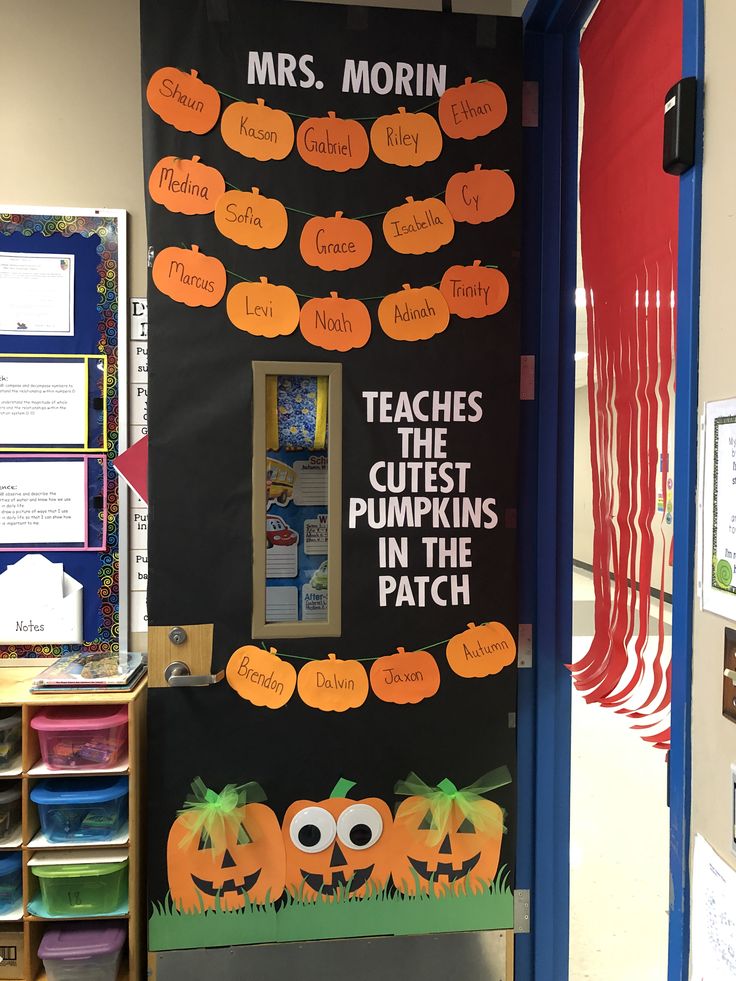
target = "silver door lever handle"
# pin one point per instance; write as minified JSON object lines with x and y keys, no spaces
{"x":178,"y":675}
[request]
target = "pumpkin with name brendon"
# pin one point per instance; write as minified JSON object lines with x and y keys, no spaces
{"x":183,"y":100}
{"x":332,"y":685}
{"x":331,"y":143}
{"x":257,"y":131}
{"x":249,"y":218}
{"x":186,"y":187}
{"x":472,"y":109}
{"x":447,"y":840}
{"x":481,"y":651}
{"x":479,"y":195}
{"x":225,"y":850}
{"x":474,"y":291}
{"x":418,"y":227}
{"x":406,"y":139}
{"x":261,"y":677}
{"x":413,"y":314}
{"x":334,"y":323}
{"x":406,"y":677}
{"x":263,"y":309}
{"x":335,"y":244}
{"x":189,"y":276}
{"x":337,"y":848}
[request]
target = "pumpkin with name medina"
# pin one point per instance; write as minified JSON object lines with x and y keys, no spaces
{"x":335,"y":244}
{"x":186,"y":187}
{"x":413,"y":314}
{"x":263,"y":309}
{"x":261,"y":677}
{"x":257,"y":131}
{"x":249,"y":218}
{"x":225,"y":850}
{"x":479,"y":195}
{"x":332,"y":685}
{"x":472,"y":109}
{"x":481,"y":651}
{"x":406,"y":677}
{"x":474,"y":291}
{"x":335,"y":324}
{"x":331,"y":143}
{"x":337,"y":848}
{"x":183,"y":100}
{"x":418,"y":227}
{"x":447,"y":840}
{"x":406,"y":139}
{"x":189,"y":276}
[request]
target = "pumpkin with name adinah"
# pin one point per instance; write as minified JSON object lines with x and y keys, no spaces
{"x":332,"y":685}
{"x":189,"y":276}
{"x":263,"y":309}
{"x":418,"y":227}
{"x":413,"y":314}
{"x":257,"y":131}
{"x":249,"y":218}
{"x":186,"y":187}
{"x":472,"y":109}
{"x":481,"y":650}
{"x":420,"y":138}
{"x":335,"y":244}
{"x":183,"y":100}
{"x":334,"y":323}
{"x":331,"y":143}
{"x":406,"y":677}
{"x":261,"y":677}
{"x":479,"y":195}
{"x":474,"y":291}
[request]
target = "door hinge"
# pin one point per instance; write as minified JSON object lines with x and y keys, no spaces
{"x":527,"y":385}
{"x":530,"y":104}
{"x":522,"y":911}
{"x":525,"y":658}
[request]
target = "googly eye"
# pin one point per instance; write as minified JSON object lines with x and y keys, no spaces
{"x":359,"y":826}
{"x":312,"y":829}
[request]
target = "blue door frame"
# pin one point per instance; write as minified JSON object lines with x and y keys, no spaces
{"x":552,"y":33}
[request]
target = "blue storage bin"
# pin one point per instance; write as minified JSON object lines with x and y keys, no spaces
{"x":11,"y":881}
{"x":82,"y":808}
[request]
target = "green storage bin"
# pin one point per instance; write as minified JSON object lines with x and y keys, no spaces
{"x":86,"y":889}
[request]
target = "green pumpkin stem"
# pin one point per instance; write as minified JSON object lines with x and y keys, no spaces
{"x":342,"y":788}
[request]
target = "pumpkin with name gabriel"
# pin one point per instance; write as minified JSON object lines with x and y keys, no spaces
{"x":225,"y":850}
{"x":337,"y":848}
{"x":445,"y":839}
{"x":331,"y":143}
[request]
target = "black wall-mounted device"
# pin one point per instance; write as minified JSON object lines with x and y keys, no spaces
{"x":679,"y":127}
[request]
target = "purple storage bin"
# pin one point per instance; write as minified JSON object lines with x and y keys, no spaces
{"x":84,"y":952}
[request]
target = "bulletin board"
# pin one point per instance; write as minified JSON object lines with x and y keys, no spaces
{"x":62,"y":366}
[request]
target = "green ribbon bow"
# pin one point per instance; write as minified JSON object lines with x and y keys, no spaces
{"x":441,"y":800}
{"x":207,"y":813}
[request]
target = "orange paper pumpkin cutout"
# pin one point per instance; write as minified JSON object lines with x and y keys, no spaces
{"x":263,"y":309}
{"x":337,"y":848}
{"x":406,"y":677}
{"x":481,"y":651}
{"x":257,"y":131}
{"x":474,"y":291}
{"x":418,"y":227}
{"x":332,"y":144}
{"x":413,"y":314}
{"x":189,"y":276}
{"x":406,"y":139}
{"x":261,"y":677}
{"x":335,"y":324}
{"x":471,"y":110}
{"x":333,"y":685}
{"x":479,"y":195}
{"x":186,"y":187}
{"x":336,"y":244}
{"x":183,"y":100}
{"x":249,"y":218}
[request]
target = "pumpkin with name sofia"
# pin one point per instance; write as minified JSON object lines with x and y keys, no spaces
{"x":333,"y":685}
{"x":183,"y":100}
{"x":447,"y":840}
{"x":249,"y":218}
{"x":225,"y":850}
{"x":406,"y":677}
{"x":481,"y":651}
{"x":335,"y":244}
{"x":186,"y":187}
{"x":414,"y":314}
{"x":189,"y":276}
{"x":337,"y":848}
{"x":255,"y":130}
{"x":472,"y":109}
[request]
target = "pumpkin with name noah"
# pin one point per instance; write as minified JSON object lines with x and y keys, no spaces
{"x":263,"y":309}
{"x":183,"y":100}
{"x":186,"y":187}
{"x":406,"y":677}
{"x":337,"y":848}
{"x":334,"y":323}
{"x":189,"y":276}
{"x":255,"y":130}
{"x":472,"y":109}
{"x":481,"y":650}
{"x":225,"y":850}
{"x":335,"y":244}
{"x":332,"y":685}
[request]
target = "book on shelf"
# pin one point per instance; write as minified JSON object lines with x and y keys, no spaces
{"x":92,"y":671}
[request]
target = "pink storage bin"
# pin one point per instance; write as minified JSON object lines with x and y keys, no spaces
{"x":93,"y":737}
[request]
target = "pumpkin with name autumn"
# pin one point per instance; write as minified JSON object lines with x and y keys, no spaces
{"x":334,"y":323}
{"x":189,"y":276}
{"x":335,"y":244}
{"x":418,"y":227}
{"x":183,"y":100}
{"x":413,"y":314}
{"x":249,"y":218}
{"x":406,"y":139}
{"x":337,"y":848}
{"x":472,"y":109}
{"x":479,"y":195}
{"x":225,"y":850}
{"x":481,"y":650}
{"x":263,"y":309}
{"x":261,"y":677}
{"x":406,"y":677}
{"x":332,"y":685}
{"x":257,"y":131}
{"x":474,"y":291}
{"x":186,"y":187}
{"x":331,"y":143}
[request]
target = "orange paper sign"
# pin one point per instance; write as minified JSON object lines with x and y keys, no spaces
{"x":261,"y":677}
{"x":336,"y":243}
{"x":263,"y":309}
{"x":418,"y":227}
{"x":479,"y":195}
{"x":187,"y":187}
{"x":249,"y":218}
{"x":471,"y":110}
{"x":189,"y":276}
{"x":332,"y":144}
{"x":334,"y":323}
{"x":406,"y":677}
{"x":183,"y":100}
{"x":333,"y":685}
{"x":481,"y":651}
{"x":257,"y":131}
{"x":474,"y":291}
{"x":406,"y":139}
{"x":413,"y":314}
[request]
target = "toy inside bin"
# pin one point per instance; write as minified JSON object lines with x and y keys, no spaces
{"x":81,"y":809}
{"x":10,"y":729}
{"x":93,"y":737}
{"x":11,"y":881}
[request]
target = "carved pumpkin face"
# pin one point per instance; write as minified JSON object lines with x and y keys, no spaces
{"x":406,"y":677}
{"x":186,"y":187}
{"x":474,"y":291}
{"x":183,"y":101}
{"x":479,"y":195}
{"x":335,"y":324}
{"x":333,"y":685}
{"x":332,"y":144}
{"x":472,"y":109}
{"x":414,"y":314}
{"x":249,"y":218}
{"x":335,"y":244}
{"x":263,"y":309}
{"x":261,"y":677}
{"x":406,"y":139}
{"x":481,"y":651}
{"x":257,"y":131}
{"x":418,"y":227}
{"x":189,"y":276}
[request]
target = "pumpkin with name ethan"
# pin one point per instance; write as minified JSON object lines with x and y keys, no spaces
{"x":472,"y":109}
{"x":481,"y":650}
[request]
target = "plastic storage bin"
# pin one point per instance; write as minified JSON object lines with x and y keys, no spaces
{"x":10,"y":729}
{"x":82,"y":953}
{"x":91,"y":736}
{"x":10,"y":809}
{"x":11,"y":881}
{"x":82,"y":808}
{"x":84,"y":888}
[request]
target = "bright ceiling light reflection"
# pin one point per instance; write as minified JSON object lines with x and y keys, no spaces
{"x":581,"y":355}
{"x":580,"y":298}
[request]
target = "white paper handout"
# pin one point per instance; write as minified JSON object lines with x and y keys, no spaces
{"x":36,"y":294}
{"x":43,"y":502}
{"x":39,"y":603}
{"x":43,"y":403}
{"x":713,"y":916}
{"x":718,"y":509}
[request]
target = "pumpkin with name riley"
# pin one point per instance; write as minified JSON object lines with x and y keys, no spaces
{"x":337,"y":848}
{"x":189,"y":276}
{"x":183,"y":100}
{"x":406,"y":677}
{"x":263,"y":309}
{"x":406,"y":139}
{"x":186,"y":187}
{"x":257,"y":131}
{"x":481,"y":651}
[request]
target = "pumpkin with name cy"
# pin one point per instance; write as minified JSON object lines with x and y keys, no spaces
{"x":414,"y":314}
{"x":481,"y":651}
{"x":186,"y":187}
{"x":335,"y":244}
{"x":418,"y":227}
{"x":263,"y":309}
{"x":406,"y":139}
{"x":474,"y":291}
{"x":261,"y":677}
{"x":255,"y":130}
{"x":406,"y":677}
{"x":447,"y":840}
{"x":334,"y":323}
{"x":479,"y":195}
{"x":337,"y":848}
{"x":472,"y":109}
{"x":249,"y":218}
{"x":225,"y":850}
{"x":333,"y":685}
{"x":189,"y":276}
{"x":332,"y":144}
{"x":183,"y":100}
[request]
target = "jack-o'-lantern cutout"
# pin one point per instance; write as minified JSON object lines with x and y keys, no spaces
{"x":474,"y":291}
{"x":418,"y":227}
{"x":337,"y":849}
{"x":261,"y":677}
{"x":406,"y":139}
{"x":413,"y":314}
{"x":189,"y":276}
{"x":335,"y":244}
{"x":225,"y":850}
{"x":249,"y":218}
{"x":186,"y":187}
{"x":479,"y":195}
{"x":332,"y":685}
{"x":183,"y":100}
{"x":406,"y":677}
{"x":472,"y":109}
{"x":447,"y":840}
{"x":334,"y":323}
{"x":481,"y":651}
{"x":263,"y":309}
{"x":257,"y":131}
{"x":331,"y":143}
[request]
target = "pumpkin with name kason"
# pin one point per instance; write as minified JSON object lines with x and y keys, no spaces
{"x":481,"y":651}
{"x":332,"y":685}
{"x":335,"y":244}
{"x":334,"y":323}
{"x":418,"y":227}
{"x":261,"y":677}
{"x":331,"y":143}
{"x":472,"y":109}
{"x":406,"y":677}
{"x":257,"y":131}
{"x":263,"y":309}
{"x":414,"y":314}
{"x":189,"y":276}
{"x":474,"y":291}
{"x":249,"y":218}
{"x":183,"y":100}
{"x":479,"y":195}
{"x":406,"y":139}
{"x":186,"y":187}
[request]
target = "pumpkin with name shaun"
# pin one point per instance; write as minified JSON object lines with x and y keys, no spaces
{"x":225,"y":850}
{"x":479,"y":195}
{"x":406,"y":139}
{"x":413,"y":314}
{"x":418,"y":227}
{"x":481,"y":651}
{"x":331,"y":143}
{"x":334,"y":323}
{"x":406,"y":677}
{"x":472,"y":109}
{"x":263,"y":309}
{"x":189,"y":276}
{"x":257,"y":131}
{"x":183,"y":100}
{"x":337,"y":848}
{"x":447,"y":840}
{"x":335,"y":244}
{"x":186,"y":187}
{"x":474,"y":291}
{"x":332,"y":685}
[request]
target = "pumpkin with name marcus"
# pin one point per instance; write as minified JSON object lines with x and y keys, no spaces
{"x":263,"y":309}
{"x":332,"y":685}
{"x":261,"y":677}
{"x":183,"y":100}
{"x":189,"y":276}
{"x":186,"y":187}
{"x":481,"y":651}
